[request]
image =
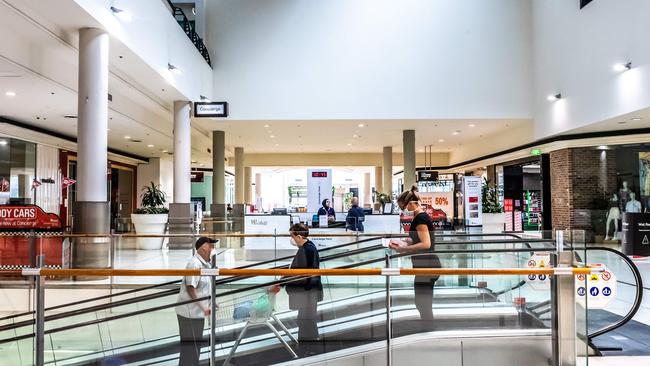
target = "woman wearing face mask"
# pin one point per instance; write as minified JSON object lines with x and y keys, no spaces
{"x":421,"y":243}
{"x":305,"y":293}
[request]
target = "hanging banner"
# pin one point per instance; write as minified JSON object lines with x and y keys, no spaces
{"x":473,"y":205}
{"x":319,"y":187}
{"x":27,"y":217}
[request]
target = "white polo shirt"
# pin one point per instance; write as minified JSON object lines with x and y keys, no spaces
{"x":202,"y":286}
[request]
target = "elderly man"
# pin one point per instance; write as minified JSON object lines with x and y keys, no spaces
{"x":191,"y":316}
{"x":355,"y":218}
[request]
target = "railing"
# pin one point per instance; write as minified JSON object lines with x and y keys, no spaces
{"x":190,"y":31}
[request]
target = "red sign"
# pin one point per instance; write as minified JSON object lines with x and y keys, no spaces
{"x":507,"y":205}
{"x":27,"y":217}
{"x":319,"y":174}
{"x":473,"y":199}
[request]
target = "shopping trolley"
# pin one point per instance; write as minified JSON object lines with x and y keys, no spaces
{"x":256,"y":309}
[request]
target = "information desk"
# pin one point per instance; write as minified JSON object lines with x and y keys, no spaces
{"x":265,"y":248}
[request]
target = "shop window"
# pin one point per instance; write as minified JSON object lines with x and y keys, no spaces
{"x":17,"y":171}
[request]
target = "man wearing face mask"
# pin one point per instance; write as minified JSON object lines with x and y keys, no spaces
{"x":305,"y":293}
{"x":191,"y":317}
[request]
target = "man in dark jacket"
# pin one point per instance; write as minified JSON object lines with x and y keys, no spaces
{"x":355,"y":218}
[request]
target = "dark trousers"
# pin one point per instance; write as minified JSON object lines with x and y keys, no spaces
{"x":423,"y":288}
{"x":191,"y":333}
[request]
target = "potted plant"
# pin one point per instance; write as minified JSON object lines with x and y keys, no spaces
{"x":383,"y":199}
{"x":494,"y":218}
{"x":151,"y":217}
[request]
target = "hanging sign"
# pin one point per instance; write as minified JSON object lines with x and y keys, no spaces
{"x":427,"y":175}
{"x":27,"y":217}
{"x":539,"y":282}
{"x":210,"y":109}
{"x":596,"y":290}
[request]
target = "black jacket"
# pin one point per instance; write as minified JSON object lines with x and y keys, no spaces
{"x":306,"y":257}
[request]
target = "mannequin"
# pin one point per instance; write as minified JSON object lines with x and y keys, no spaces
{"x":633,"y":205}
{"x":623,"y":196}
{"x":613,"y":214}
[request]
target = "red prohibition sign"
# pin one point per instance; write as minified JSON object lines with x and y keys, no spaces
{"x":581,"y":277}
{"x":532,"y":263}
{"x":606,"y":276}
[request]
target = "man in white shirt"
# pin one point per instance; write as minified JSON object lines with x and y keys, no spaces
{"x":191,"y":316}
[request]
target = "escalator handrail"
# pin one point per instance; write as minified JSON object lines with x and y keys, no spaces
{"x":232,"y":279}
{"x":244,"y":289}
{"x":638,"y":296}
{"x":144,"y":288}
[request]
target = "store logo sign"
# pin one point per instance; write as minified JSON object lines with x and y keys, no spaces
{"x":210,"y":109}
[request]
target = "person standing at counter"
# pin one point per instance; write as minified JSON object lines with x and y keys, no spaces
{"x":420,"y":243}
{"x":328,"y":211}
{"x":355,"y":218}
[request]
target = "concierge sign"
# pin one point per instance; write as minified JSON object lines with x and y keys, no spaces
{"x":210,"y":109}
{"x":27,"y":217}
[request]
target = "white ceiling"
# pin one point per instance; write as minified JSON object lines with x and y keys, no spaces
{"x":337,"y":136}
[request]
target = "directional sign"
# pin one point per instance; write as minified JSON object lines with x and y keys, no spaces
{"x":540,"y":282}
{"x":596,"y":291}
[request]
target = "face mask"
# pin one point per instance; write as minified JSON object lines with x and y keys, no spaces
{"x":293,"y":242}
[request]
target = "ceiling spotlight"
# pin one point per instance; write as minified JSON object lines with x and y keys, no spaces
{"x":441,"y":140}
{"x":266,"y":126}
{"x":272,"y":136}
{"x":636,"y":119}
{"x":349,"y":144}
{"x":620,"y":67}
{"x":457,"y":132}
{"x":150,"y":145}
{"x":471,"y":125}
{"x":164,"y":151}
{"x":554,"y":97}
{"x":127,"y":137}
{"x":10,"y":93}
{"x":174,"y":69}
{"x":603,"y":147}
{"x":194,"y":161}
{"x":362,"y":125}
{"x":277,"y":144}
{"x":122,"y":14}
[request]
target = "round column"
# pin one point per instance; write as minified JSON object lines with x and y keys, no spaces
{"x":388,"y":169}
{"x":408,"y":140}
{"x":239,"y":175}
{"x":182,"y":152}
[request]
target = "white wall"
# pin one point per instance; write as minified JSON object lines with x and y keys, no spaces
{"x":574,"y":52}
{"x":157,"y":39}
{"x":305,"y":59}
{"x":160,"y":171}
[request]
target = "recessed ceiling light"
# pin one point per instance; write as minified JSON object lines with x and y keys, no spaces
{"x":421,"y":150}
{"x":127,"y":137}
{"x":603,"y":147}
{"x":277,"y":144}
{"x":150,"y":145}
{"x":266,"y":126}
{"x":362,"y":125}
{"x":272,"y":136}
{"x":471,"y":125}
{"x":457,"y":132}
{"x":349,"y":144}
{"x":4,"y":142}
{"x":194,"y":161}
{"x":441,"y":140}
{"x":636,"y":119}
{"x":10,"y":93}
{"x":164,"y":151}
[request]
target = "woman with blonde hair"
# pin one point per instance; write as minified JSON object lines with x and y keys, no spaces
{"x":420,"y":243}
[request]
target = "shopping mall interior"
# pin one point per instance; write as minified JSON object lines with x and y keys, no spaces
{"x":301,"y":182}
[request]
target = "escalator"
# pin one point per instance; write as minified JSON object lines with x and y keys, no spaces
{"x":352,"y":315}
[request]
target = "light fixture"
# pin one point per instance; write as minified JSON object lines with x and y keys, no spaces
{"x":554,"y":97}
{"x":164,"y":151}
{"x":457,"y":132}
{"x":127,"y":137}
{"x":194,"y":161}
{"x":272,"y":136}
{"x":603,"y":147}
{"x":174,"y":69}
{"x":349,"y":144}
{"x":637,"y":119}
{"x":4,"y":142}
{"x":122,"y":14}
{"x":266,"y":126}
{"x":621,"y":67}
{"x":471,"y":125}
{"x":441,"y":140}
{"x":204,"y":98}
{"x":277,"y":144}
{"x":362,"y":125}
{"x":150,"y":145}
{"x":10,"y":93}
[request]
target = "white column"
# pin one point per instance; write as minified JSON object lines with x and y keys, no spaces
{"x":258,"y":185}
{"x":182,"y":152}
{"x":248,"y":185}
{"x":92,"y":111}
{"x":367,"y":194}
{"x":239,"y":175}
{"x":379,"y":183}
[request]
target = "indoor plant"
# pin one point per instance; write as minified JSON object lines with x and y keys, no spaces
{"x":151,"y":217}
{"x":383,"y":198}
{"x":494,"y":218}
